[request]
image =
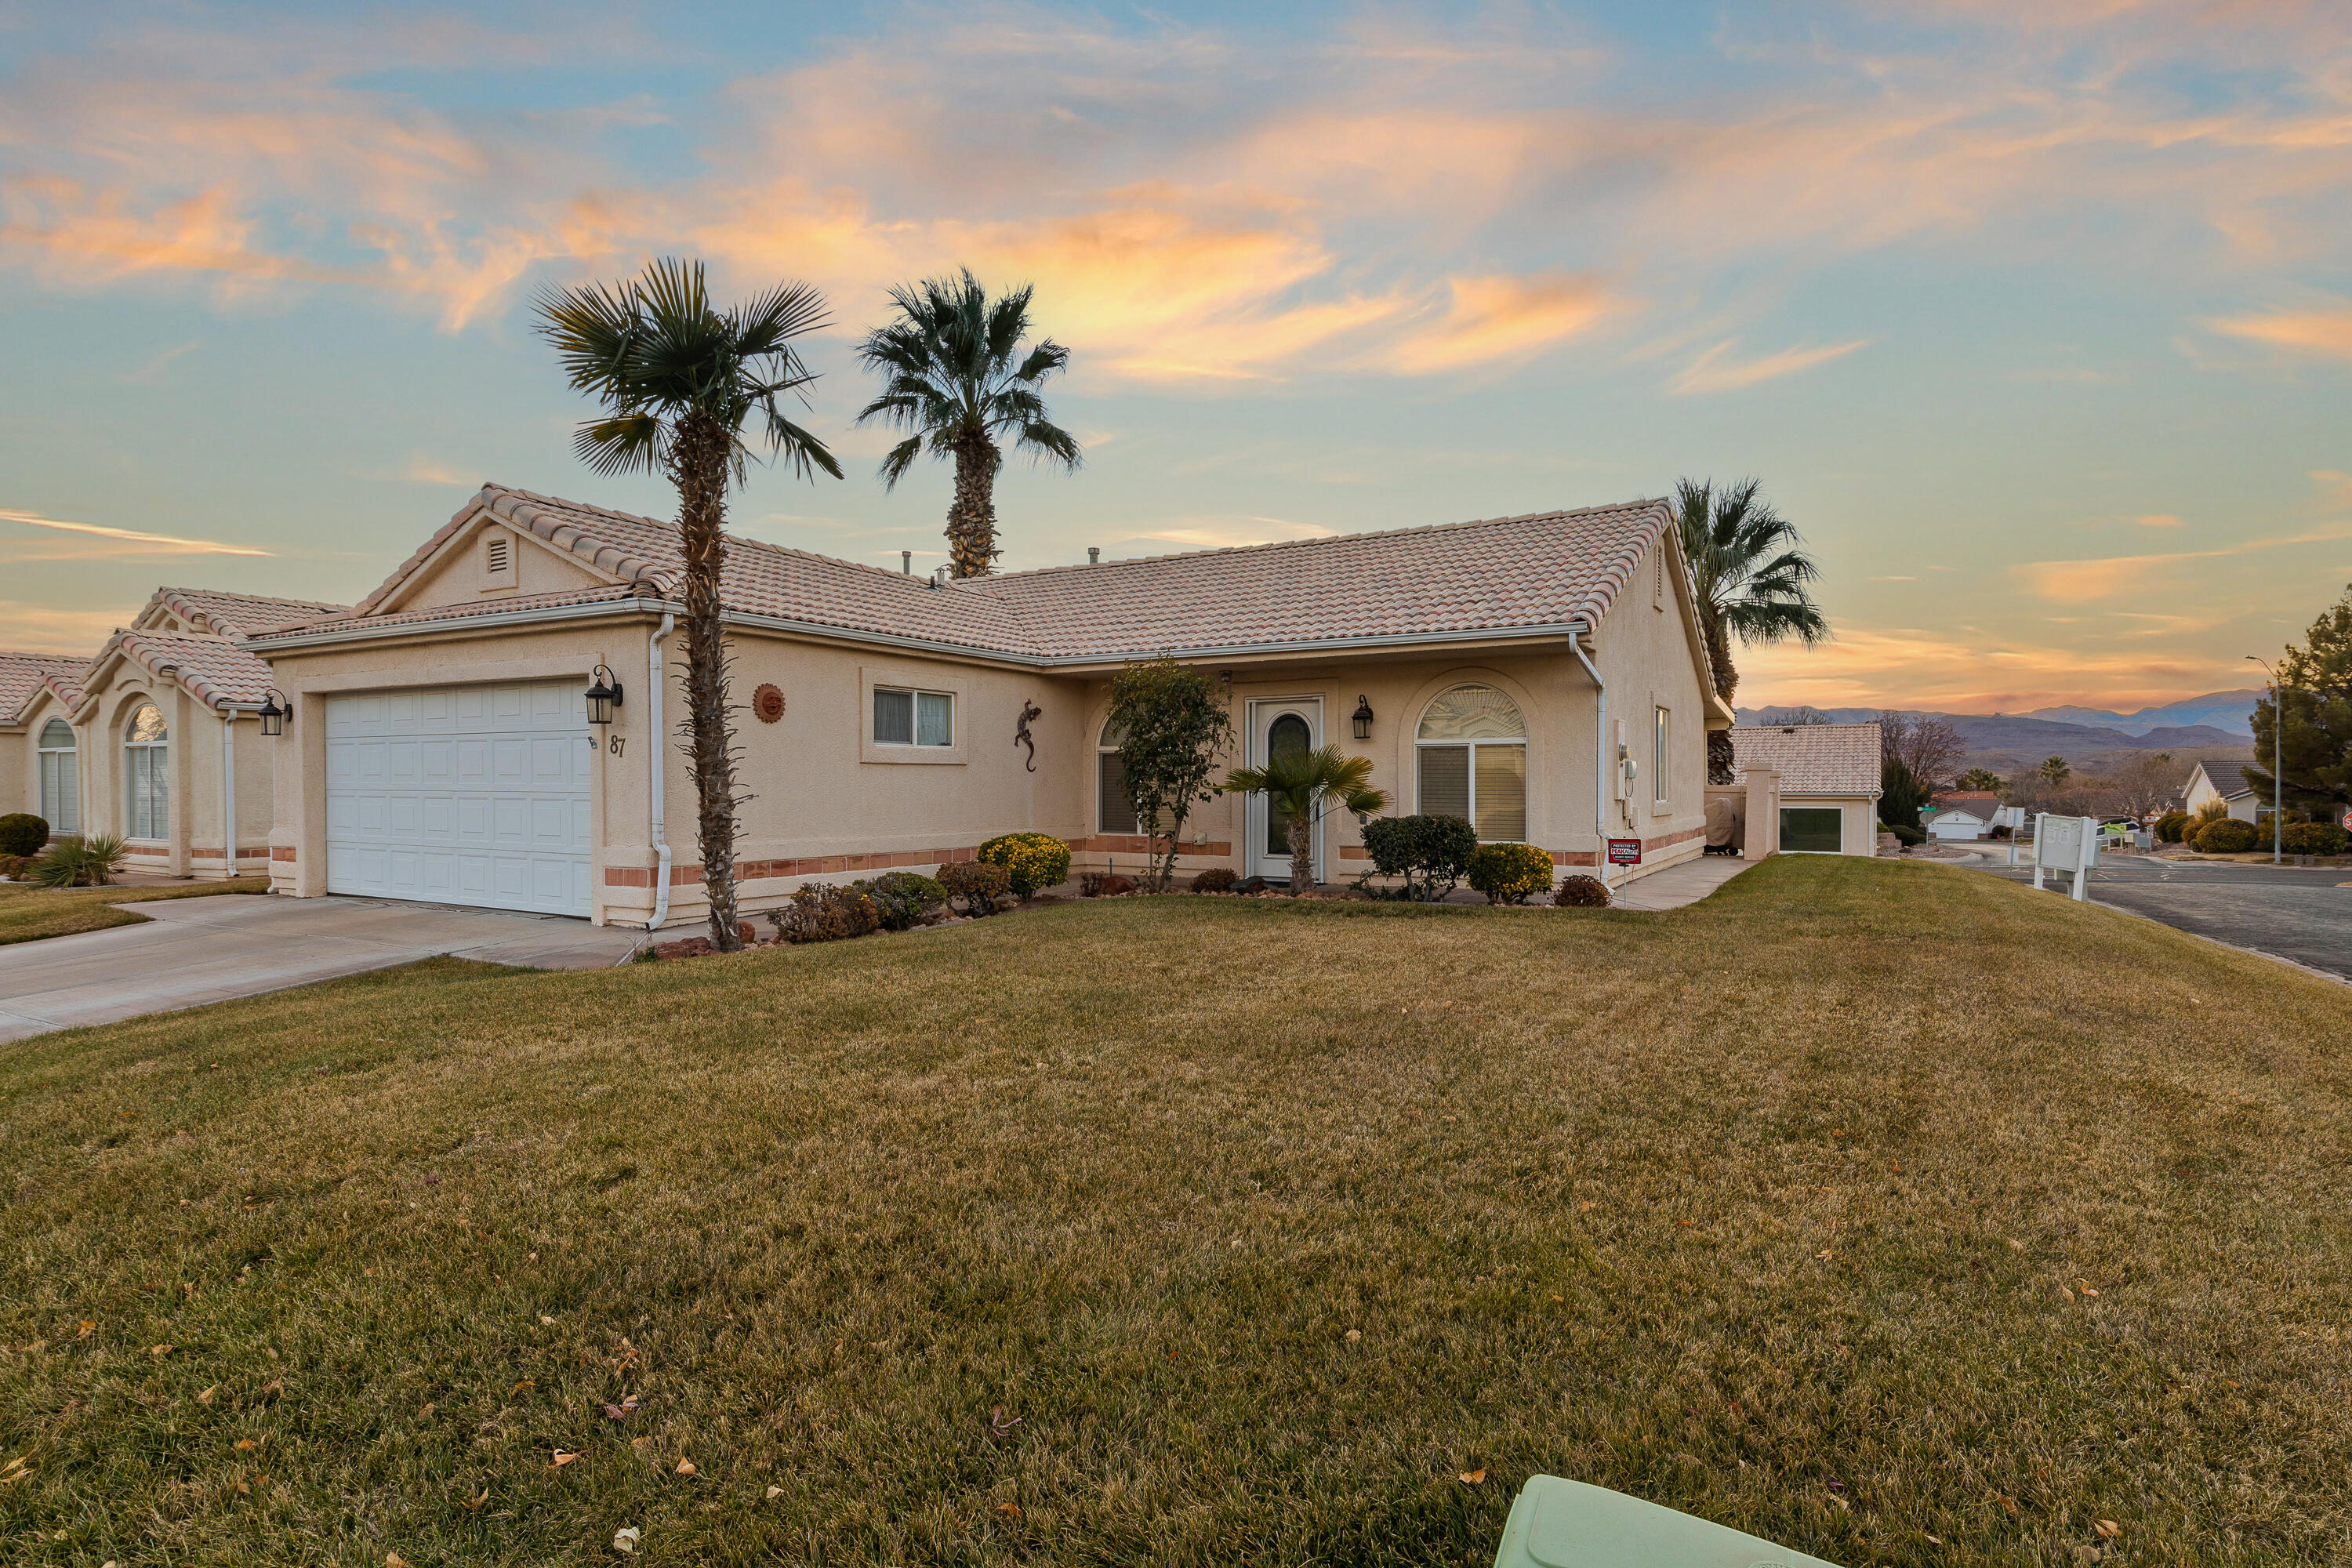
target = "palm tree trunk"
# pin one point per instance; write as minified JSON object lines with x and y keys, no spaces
{"x":1718,"y":655}
{"x":698,"y":462}
{"x":1302,"y":856}
{"x":971,"y":515}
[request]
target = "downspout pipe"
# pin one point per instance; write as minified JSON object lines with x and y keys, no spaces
{"x":1599,"y":758}
{"x":228,"y":789}
{"x":654,"y":673}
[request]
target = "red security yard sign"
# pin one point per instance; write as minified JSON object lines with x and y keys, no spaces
{"x":2347,"y":822}
{"x":1624,"y":852}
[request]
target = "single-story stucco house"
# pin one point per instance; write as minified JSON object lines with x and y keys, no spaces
{"x":1540,"y":675}
{"x":1829,"y":784}
{"x":2224,"y":779}
{"x":1966,"y":815}
{"x":153,"y":734}
{"x":29,"y":779}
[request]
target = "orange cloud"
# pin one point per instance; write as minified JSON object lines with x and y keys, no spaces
{"x":1501,"y":319}
{"x":1869,"y":667}
{"x":2077,"y":582}
{"x":1715,"y":372}
{"x":2326,"y":333}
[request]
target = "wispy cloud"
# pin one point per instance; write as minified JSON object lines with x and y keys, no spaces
{"x":130,"y":541}
{"x":46,"y":628}
{"x":2321,"y":333}
{"x":2075,"y":582}
{"x":1716,"y":371}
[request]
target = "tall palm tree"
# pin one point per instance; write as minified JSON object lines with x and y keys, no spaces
{"x":1749,"y":570}
{"x":1299,"y":788}
{"x":954,"y":376}
{"x":679,"y":379}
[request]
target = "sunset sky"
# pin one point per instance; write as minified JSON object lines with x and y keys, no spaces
{"x":2034,"y":315}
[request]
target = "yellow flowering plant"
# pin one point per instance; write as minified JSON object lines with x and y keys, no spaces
{"x":1034,"y":859}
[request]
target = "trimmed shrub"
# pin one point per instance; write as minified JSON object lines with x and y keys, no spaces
{"x":1035,"y":860}
{"x":1582,"y":892}
{"x":88,"y":862}
{"x":1103,"y":884}
{"x":903,"y":899}
{"x":822,"y":911}
{"x":22,"y":833}
{"x":978,"y":883}
{"x":1216,"y":879}
{"x":2227,"y":835}
{"x":2170,"y":827}
{"x":1511,"y":873}
{"x":1907,"y":837}
{"x":2315,"y":839}
{"x":1431,"y":853}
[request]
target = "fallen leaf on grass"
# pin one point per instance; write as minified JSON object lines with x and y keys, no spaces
{"x":639,"y":1442}
{"x":1933,"y":1539}
{"x":1354,"y":1335}
{"x":626,"y":1539}
{"x":394,"y":1560}
{"x":206,"y":1396}
{"x":686,"y":1467}
{"x":1473,"y":1478}
{"x":562,"y":1460}
{"x":1823,"y":1254}
{"x":2086,"y":1286}
{"x":2108,"y":1528}
{"x":518,"y":1387}
{"x":1000,"y":1425}
{"x":1842,"y":1503}
{"x":89,"y":1327}
{"x":544,"y":1318}
{"x":246,"y":1445}
{"x":474,"y":1504}
{"x":424,"y":1410}
{"x":159,"y":1350}
{"x":2008,"y":1502}
{"x":775,"y":1493}
{"x":624,"y":1409}
{"x":1009,"y":1510}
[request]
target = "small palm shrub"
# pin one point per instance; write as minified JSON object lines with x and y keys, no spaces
{"x":2227,"y":835}
{"x":1582,"y":892}
{"x":1511,"y":873}
{"x":22,"y":833}
{"x":2315,"y":839}
{"x":1216,"y":879}
{"x":978,"y":883}
{"x":2170,"y":827}
{"x":88,"y":862}
{"x":1036,"y":860}
{"x":822,"y":911}
{"x":1431,"y":853}
{"x":903,"y":899}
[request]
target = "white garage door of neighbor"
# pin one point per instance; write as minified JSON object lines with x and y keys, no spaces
{"x":461,"y":795}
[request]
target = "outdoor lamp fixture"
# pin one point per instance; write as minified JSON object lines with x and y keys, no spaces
{"x":1364,"y":718}
{"x":273,"y":717}
{"x":603,"y":698}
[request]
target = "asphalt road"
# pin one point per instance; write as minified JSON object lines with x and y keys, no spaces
{"x":2288,"y":912}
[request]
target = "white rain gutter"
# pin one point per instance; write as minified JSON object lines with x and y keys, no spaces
{"x":1599,"y":761}
{"x":228,"y":786}
{"x":654,"y":769}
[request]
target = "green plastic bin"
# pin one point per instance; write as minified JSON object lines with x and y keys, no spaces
{"x":1559,"y":1523}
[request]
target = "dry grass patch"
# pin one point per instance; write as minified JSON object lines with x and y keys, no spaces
{"x":28,"y":913}
{"x":1862,"y":1203}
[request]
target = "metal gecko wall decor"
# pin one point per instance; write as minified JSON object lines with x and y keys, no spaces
{"x":1021,"y":734}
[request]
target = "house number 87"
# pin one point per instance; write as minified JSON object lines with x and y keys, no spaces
{"x":617,"y":745}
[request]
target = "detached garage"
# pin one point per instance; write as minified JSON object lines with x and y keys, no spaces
{"x":462,"y":795}
{"x":1829,"y":783}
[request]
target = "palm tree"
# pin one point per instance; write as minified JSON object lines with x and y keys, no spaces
{"x":2054,"y":770}
{"x":679,"y":379}
{"x":1299,"y":788}
{"x":951,"y":377}
{"x":1750,"y":577}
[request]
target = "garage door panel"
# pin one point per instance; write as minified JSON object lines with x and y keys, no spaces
{"x":474,"y":795}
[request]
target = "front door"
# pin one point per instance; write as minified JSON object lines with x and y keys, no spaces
{"x":1280,"y":727}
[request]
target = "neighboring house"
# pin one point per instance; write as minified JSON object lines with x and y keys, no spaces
{"x":1829,"y":784}
{"x":159,"y":731}
{"x":2224,"y":779}
{"x":31,"y":771}
{"x":1966,"y":815}
{"x":439,"y":748}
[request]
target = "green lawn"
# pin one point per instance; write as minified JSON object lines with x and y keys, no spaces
{"x":28,"y":913}
{"x":1864,"y":1202}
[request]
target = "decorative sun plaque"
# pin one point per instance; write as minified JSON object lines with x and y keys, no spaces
{"x":768,"y":703}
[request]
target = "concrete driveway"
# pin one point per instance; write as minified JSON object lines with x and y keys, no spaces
{"x":193,"y":951}
{"x":2300,"y":913}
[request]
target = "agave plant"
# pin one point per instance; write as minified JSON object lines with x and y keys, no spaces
{"x":1299,"y":788}
{"x":88,"y":862}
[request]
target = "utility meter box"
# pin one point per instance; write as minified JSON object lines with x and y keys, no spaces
{"x":1557,"y":1523}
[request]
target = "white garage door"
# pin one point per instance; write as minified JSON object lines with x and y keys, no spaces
{"x":461,"y":795}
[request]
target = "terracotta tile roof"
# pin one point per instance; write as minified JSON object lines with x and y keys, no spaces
{"x":1979,"y":804}
{"x":22,"y":675}
{"x":467,"y":611}
{"x":1811,"y":759}
{"x":214,"y":671}
{"x":235,"y":615}
{"x":1544,"y":569}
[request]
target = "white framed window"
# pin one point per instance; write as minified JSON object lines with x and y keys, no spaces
{"x":1113,"y":811}
{"x":1659,"y":752}
{"x":60,"y":777}
{"x":909,"y":718}
{"x":1471,"y":761}
{"x":147,"y":758}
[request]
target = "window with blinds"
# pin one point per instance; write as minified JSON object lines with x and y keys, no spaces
{"x":1471,"y":761}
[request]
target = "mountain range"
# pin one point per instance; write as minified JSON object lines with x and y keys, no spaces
{"x":2006,"y":742}
{"x":2230,"y":711}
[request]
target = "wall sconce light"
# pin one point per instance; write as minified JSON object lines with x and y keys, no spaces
{"x":1364,"y":718}
{"x":273,"y":717}
{"x":603,"y":698}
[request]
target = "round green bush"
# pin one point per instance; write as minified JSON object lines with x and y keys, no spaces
{"x":1909,"y":836}
{"x":2170,"y":827}
{"x":1216,"y":879}
{"x":22,"y":833}
{"x":1429,"y":852}
{"x":2315,"y":839}
{"x":1036,"y":860}
{"x":903,"y":899}
{"x":2227,"y":835}
{"x":1511,"y":873}
{"x":1582,"y":892}
{"x":978,"y":883}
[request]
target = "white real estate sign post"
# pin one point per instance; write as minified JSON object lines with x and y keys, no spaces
{"x":2067,"y":844}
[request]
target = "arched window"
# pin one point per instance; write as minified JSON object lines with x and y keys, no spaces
{"x":1113,"y":810}
{"x":1473,"y":762}
{"x":147,"y":755}
{"x":60,"y":777}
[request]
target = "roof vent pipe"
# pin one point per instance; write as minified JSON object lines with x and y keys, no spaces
{"x":906,"y":563}
{"x":940,"y":575}
{"x":1093,"y":555}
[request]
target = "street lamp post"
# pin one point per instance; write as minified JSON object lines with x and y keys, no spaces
{"x":2278,"y":751}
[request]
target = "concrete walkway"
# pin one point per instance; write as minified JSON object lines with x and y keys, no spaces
{"x":193,"y":951}
{"x":1679,"y":885}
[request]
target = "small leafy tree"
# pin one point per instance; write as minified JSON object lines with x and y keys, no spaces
{"x":1299,"y":788}
{"x":1172,"y":727}
{"x":1431,"y":853}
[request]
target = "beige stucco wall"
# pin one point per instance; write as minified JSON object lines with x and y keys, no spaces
{"x":1858,"y":832}
{"x":19,"y":777}
{"x":457,"y":573}
{"x":193,"y":842}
